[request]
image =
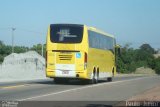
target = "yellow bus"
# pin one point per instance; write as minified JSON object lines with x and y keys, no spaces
{"x":75,"y":51}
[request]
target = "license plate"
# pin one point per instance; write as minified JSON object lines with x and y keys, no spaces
{"x":65,"y":72}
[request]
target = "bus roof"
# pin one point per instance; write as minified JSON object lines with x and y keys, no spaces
{"x":67,"y":24}
{"x":99,"y":31}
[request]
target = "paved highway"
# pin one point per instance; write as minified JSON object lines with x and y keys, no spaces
{"x":120,"y":89}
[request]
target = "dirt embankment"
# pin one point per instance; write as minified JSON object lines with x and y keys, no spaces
{"x":142,"y":71}
{"x":148,"y":98}
{"x":149,"y":95}
{"x":23,"y":66}
{"x":156,"y":55}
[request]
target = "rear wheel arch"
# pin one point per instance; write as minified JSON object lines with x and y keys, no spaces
{"x":113,"y":72}
{"x":97,"y":72}
{"x":94,"y":70}
{"x":94,"y":76}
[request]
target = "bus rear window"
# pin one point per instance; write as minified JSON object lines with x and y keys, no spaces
{"x":63,"y":33}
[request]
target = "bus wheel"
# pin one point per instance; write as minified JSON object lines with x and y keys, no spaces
{"x":94,"y":79}
{"x":113,"y":72}
{"x":97,"y":75}
{"x":109,"y":79}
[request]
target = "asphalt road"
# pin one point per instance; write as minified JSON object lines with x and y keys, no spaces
{"x":120,"y":89}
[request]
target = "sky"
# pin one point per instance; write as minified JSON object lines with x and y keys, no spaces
{"x":130,"y":21}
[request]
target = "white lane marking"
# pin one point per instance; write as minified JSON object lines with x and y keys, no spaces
{"x":80,"y":88}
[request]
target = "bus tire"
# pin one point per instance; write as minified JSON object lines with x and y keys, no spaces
{"x":97,"y":75}
{"x":94,"y":77}
{"x":109,"y":79}
{"x":113,"y":72}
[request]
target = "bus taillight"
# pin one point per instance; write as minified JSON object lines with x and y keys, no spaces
{"x":85,"y":57}
{"x":46,"y":59}
{"x":85,"y":60}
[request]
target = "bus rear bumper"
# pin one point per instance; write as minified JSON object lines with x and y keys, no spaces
{"x":78,"y":74}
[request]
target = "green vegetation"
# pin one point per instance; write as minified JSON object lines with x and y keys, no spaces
{"x":131,"y":59}
{"x":157,"y":65}
{"x":38,"y":49}
{"x":6,"y":50}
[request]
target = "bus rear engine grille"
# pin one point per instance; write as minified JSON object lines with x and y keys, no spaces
{"x":65,"y":57}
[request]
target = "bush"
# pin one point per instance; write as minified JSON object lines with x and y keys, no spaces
{"x":131,"y":67}
{"x":1,"y":59}
{"x":121,"y":67}
{"x":131,"y":59}
{"x":157,"y":65}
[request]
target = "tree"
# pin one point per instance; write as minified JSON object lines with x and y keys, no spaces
{"x":20,"y":49}
{"x":38,"y":49}
{"x":1,"y":43}
{"x":6,"y":50}
{"x":126,"y":60}
{"x":131,"y":59}
{"x":147,"y":48}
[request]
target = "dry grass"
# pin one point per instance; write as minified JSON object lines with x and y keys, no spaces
{"x":143,"y":70}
